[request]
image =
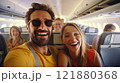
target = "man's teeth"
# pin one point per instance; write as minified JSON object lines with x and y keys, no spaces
{"x":42,"y":33}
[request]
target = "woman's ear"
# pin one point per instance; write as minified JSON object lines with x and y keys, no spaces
{"x":28,"y":28}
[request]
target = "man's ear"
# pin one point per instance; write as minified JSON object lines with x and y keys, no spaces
{"x":28,"y":29}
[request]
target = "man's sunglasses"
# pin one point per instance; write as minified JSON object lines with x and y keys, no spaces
{"x":37,"y":22}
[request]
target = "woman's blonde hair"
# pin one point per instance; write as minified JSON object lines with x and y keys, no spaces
{"x":83,"y":42}
{"x":15,"y":27}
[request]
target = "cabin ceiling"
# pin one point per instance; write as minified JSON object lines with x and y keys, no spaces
{"x":66,"y":9}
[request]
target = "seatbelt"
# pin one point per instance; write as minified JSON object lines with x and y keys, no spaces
{"x":36,"y":57}
{"x":34,"y":53}
{"x":54,"y":54}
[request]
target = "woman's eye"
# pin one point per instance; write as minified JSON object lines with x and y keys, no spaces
{"x":76,"y":34}
{"x":67,"y":36}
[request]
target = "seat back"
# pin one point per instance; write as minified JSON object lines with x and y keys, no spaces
{"x":83,"y":28}
{"x":25,"y":36}
{"x":56,"y":41}
{"x":90,"y":33}
{"x":109,"y":49}
{"x":3,"y":49}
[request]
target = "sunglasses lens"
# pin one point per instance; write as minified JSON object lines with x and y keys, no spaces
{"x":48,"y":23}
{"x":36,"y":23}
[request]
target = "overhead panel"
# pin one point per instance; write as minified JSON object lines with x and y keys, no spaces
{"x":10,"y":9}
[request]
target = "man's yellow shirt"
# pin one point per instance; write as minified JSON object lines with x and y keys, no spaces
{"x":21,"y":56}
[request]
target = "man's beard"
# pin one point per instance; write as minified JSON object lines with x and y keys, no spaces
{"x":40,"y":41}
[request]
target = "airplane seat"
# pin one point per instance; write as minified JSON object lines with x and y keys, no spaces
{"x":83,"y":28}
{"x":3,"y":49}
{"x":56,"y":41}
{"x":1,"y":30}
{"x":109,"y":49}
{"x":25,"y":36}
{"x":90,"y":33}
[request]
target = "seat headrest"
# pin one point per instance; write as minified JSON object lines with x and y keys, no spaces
{"x":91,"y":30}
{"x":115,"y":39}
{"x":6,"y":29}
{"x":110,"y":38}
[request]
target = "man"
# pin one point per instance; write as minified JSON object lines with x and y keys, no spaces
{"x":57,"y":25}
{"x":39,"y":25}
{"x":108,"y":28}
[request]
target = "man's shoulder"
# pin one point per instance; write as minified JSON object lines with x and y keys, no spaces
{"x":22,"y":47}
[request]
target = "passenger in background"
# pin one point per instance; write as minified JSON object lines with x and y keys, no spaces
{"x":15,"y":38}
{"x":3,"y":49}
{"x":75,"y":52}
{"x":57,"y":25}
{"x":108,"y":28}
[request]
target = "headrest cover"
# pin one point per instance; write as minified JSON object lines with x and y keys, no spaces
{"x":91,"y":30}
{"x":115,"y":39}
{"x":112,"y":39}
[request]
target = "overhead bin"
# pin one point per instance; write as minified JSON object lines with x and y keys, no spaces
{"x":11,"y":9}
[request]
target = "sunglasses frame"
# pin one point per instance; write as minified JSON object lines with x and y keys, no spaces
{"x":40,"y":22}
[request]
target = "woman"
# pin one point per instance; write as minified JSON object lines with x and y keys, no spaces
{"x":75,"y":52}
{"x":15,"y":38}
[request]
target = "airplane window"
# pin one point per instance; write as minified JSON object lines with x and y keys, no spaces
{"x":11,"y":25}
{"x":99,"y":28}
{"x":94,"y":25}
{"x":117,"y":27}
{"x":4,"y":25}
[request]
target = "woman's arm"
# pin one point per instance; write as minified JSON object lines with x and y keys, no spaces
{"x":62,"y":59}
{"x":97,"y":60}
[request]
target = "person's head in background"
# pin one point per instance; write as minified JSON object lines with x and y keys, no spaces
{"x":15,"y":32}
{"x":57,"y":24}
{"x":109,"y":28}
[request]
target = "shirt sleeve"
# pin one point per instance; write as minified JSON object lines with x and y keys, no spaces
{"x":17,"y":58}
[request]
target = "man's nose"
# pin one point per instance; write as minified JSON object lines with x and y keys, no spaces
{"x":42,"y":25}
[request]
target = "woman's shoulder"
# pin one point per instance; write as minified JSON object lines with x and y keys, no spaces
{"x":62,"y":59}
{"x":61,"y":52}
{"x":9,"y":40}
{"x":22,"y":40}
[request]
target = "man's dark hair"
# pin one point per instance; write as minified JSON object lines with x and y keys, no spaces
{"x":109,"y":26}
{"x":37,"y":6}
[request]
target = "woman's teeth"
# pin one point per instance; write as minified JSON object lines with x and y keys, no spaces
{"x":73,"y":44}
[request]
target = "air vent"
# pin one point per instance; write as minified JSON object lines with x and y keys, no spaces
{"x":117,"y":12}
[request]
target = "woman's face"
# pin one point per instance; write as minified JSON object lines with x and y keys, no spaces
{"x":14,"y":33}
{"x":71,"y":38}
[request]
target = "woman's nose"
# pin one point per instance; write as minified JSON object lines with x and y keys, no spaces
{"x":72,"y":38}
